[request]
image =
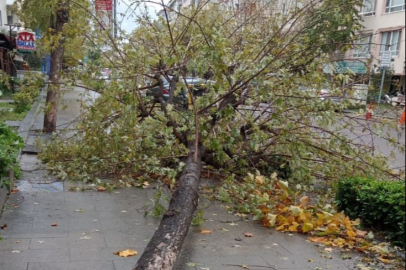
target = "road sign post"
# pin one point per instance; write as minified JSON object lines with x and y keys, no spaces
{"x":386,"y":61}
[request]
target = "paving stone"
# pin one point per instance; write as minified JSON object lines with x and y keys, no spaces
{"x":118,"y":239}
{"x":90,"y":254}
{"x":54,"y":255}
{"x":14,"y":244}
{"x":125,"y":263}
{"x":89,"y":239}
{"x":95,"y":265}
{"x":6,"y":265}
{"x":49,"y":243}
{"x":82,"y":223}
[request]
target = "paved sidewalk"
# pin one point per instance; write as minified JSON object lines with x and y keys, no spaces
{"x":90,"y":226}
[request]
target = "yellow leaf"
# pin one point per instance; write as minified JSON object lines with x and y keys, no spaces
{"x":303,"y":217}
{"x":295,"y":210}
{"x":284,"y":185}
{"x":339,"y":242}
{"x":282,"y":227}
{"x":332,"y":229}
{"x":260,"y":179}
{"x":318,"y":239}
{"x":361,"y":233}
{"x":126,"y":253}
{"x":356,"y":222}
{"x":294,"y":226}
{"x":264,"y":209}
{"x":386,"y":261}
{"x":351,"y":233}
{"x":272,"y":219}
{"x":307,"y":227}
{"x":304,"y":201}
{"x":101,"y":189}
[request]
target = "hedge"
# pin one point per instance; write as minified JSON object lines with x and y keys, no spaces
{"x":10,"y":145}
{"x":379,"y":204}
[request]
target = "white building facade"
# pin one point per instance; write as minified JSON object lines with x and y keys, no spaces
{"x":6,"y":16}
{"x":3,"y":13}
{"x":384,"y":30}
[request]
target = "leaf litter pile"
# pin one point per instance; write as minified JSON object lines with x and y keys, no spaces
{"x":273,"y":203}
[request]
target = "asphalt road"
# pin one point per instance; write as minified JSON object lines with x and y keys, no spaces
{"x":362,"y":134}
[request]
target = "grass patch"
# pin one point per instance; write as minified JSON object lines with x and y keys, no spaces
{"x":6,"y":95}
{"x":7,"y":113}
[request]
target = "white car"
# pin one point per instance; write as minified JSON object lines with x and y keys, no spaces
{"x":104,"y":74}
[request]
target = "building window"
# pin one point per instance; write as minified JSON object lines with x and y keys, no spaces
{"x":368,"y":8}
{"x":391,"y":42}
{"x":395,"y":5}
{"x":1,"y":19}
{"x":9,"y":19}
{"x":363,"y":47}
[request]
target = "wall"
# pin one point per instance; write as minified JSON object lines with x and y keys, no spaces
{"x":381,"y":22}
{"x":3,"y":11}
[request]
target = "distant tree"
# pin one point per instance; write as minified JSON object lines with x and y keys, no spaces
{"x":61,"y":38}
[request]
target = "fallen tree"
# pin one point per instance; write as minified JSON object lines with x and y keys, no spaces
{"x":260,"y":110}
{"x":165,"y":245}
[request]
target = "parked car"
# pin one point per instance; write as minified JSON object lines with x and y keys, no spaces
{"x":197,"y":85}
{"x":324,"y":94}
{"x":104,"y":74}
{"x":398,"y":100}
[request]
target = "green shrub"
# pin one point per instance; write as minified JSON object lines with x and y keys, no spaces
{"x":379,"y":204}
{"x":10,"y":145}
{"x":31,"y":85}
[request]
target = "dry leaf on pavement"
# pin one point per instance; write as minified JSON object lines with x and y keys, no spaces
{"x":317,"y":239}
{"x":3,"y":227}
{"x":126,"y":253}
{"x":361,"y":233}
{"x":248,"y":234}
{"x":54,"y":224}
{"x":14,"y":191}
{"x":101,"y":189}
{"x":206,"y":231}
{"x":328,"y":250}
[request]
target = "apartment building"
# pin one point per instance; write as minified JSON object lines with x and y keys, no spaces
{"x":3,"y":13}
{"x":175,"y":6}
{"x":245,"y":8}
{"x":384,"y":30}
{"x":6,"y":16}
{"x":8,"y":22}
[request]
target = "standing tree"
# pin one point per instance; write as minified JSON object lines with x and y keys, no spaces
{"x":260,"y":110}
{"x":61,"y":38}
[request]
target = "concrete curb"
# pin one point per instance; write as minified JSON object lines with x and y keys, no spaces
{"x":26,"y":124}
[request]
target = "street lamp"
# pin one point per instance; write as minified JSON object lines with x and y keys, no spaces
{"x":11,"y":28}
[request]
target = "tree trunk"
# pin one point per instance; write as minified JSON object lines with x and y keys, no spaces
{"x":51,"y":111}
{"x":165,"y":245}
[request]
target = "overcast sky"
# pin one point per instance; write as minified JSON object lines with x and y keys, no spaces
{"x":128,"y":20}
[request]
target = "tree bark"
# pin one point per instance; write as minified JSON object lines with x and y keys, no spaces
{"x":165,"y":245}
{"x":51,"y":111}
